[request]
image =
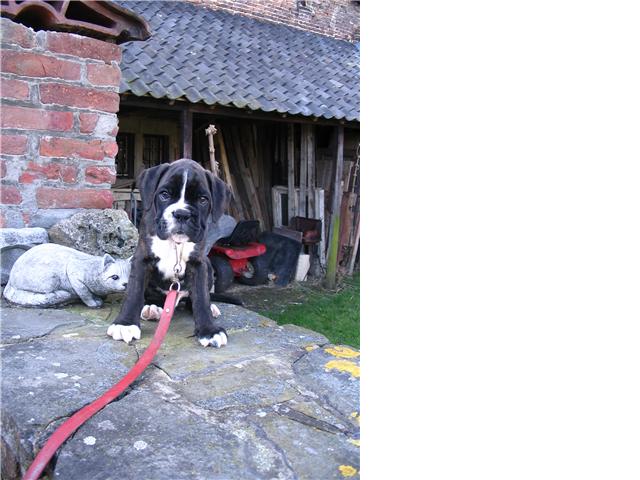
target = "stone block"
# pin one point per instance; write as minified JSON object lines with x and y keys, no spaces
{"x":14,"y":242}
{"x":97,"y":232}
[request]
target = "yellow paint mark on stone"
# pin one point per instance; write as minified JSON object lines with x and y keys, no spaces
{"x":347,"y":470}
{"x":354,"y":441}
{"x":342,"y":352}
{"x":356,"y":417}
{"x":311,"y":347}
{"x":344,"y":366}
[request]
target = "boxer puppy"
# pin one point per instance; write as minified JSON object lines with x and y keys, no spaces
{"x":181,"y":201}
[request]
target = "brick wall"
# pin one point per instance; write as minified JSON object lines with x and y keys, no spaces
{"x":333,"y":18}
{"x":57,"y":146}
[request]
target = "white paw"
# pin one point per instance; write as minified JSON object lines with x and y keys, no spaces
{"x":151,"y":312}
{"x":218,"y":340}
{"x":124,"y":332}
{"x":215,"y":310}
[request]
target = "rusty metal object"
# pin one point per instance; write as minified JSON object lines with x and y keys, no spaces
{"x":97,"y":19}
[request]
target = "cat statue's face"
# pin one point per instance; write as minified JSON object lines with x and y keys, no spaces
{"x":115,"y":273}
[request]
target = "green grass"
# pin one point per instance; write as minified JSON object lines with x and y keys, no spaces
{"x":335,"y":314}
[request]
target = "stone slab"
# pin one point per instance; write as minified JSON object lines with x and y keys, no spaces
{"x":264,"y":406}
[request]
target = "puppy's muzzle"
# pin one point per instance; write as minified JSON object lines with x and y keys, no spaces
{"x":181,"y":215}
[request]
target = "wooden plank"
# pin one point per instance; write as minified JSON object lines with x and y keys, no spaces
{"x":291,"y":178}
{"x":276,"y":205}
{"x":187,"y":133}
{"x":356,"y":245}
{"x":235,"y":207}
{"x":334,"y":232}
{"x":347,"y":213}
{"x":319,"y":202}
{"x":302,"y":206}
{"x":254,"y":201}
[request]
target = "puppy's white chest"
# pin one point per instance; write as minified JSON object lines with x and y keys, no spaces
{"x":171,"y":256}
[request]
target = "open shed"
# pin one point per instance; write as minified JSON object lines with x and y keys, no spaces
{"x":284,"y":103}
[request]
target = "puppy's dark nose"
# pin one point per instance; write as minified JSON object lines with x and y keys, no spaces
{"x":125,"y":285}
{"x":181,"y":215}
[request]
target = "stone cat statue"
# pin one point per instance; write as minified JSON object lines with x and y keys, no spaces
{"x":50,"y":275}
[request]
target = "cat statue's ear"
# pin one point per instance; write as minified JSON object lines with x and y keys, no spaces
{"x":106,"y":261}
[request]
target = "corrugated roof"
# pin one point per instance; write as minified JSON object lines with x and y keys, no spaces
{"x":215,"y":57}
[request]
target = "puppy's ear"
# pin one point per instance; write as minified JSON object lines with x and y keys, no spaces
{"x":220,"y":196}
{"x":147,"y":183}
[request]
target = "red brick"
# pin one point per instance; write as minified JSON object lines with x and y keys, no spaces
{"x":33,"y":118}
{"x":26,"y":218}
{"x":84,"y":198}
{"x":10,"y":195}
{"x":3,"y":220}
{"x":100,"y":175}
{"x":79,"y":97}
{"x":88,"y":122}
{"x":83,"y":47}
{"x":14,"y":89}
{"x":30,"y":64}
{"x":104,"y":75}
{"x":14,"y":33}
{"x":49,"y":171}
{"x":13,"y":144}
{"x":71,"y":147}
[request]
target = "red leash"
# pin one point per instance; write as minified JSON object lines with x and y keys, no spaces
{"x":65,"y":430}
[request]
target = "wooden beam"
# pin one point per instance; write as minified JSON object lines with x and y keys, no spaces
{"x":221,"y":111}
{"x":291,"y":180}
{"x":187,"y":133}
{"x":334,"y":231}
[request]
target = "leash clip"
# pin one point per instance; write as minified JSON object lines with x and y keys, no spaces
{"x":175,"y":284}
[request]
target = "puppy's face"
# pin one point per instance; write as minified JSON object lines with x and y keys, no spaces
{"x":181,"y":199}
{"x":183,"y":204}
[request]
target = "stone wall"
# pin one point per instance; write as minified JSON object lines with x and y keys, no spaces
{"x":59,"y":102}
{"x":334,"y":18}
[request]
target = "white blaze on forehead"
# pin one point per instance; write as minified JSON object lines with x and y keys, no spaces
{"x":179,"y":205}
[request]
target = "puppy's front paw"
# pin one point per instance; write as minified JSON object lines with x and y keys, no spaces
{"x":124,"y":332}
{"x":218,"y":340}
{"x":151,"y":312}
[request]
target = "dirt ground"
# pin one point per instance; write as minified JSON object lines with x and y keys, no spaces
{"x":271,"y":297}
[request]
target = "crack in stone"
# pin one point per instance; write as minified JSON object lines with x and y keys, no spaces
{"x":307,"y":420}
{"x":263,"y":434}
{"x":162,"y":370}
{"x":37,"y":337}
{"x":305,"y":353}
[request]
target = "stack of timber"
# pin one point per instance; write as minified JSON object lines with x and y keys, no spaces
{"x":243,"y":151}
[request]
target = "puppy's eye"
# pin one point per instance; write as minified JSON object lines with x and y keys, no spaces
{"x":114,"y":277}
{"x":203,"y":200}
{"x":164,"y":195}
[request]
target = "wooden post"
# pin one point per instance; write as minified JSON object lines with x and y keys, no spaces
{"x":187,"y":133}
{"x":292,"y":172}
{"x":311,"y":170}
{"x":302,"y":206}
{"x":334,"y":231}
